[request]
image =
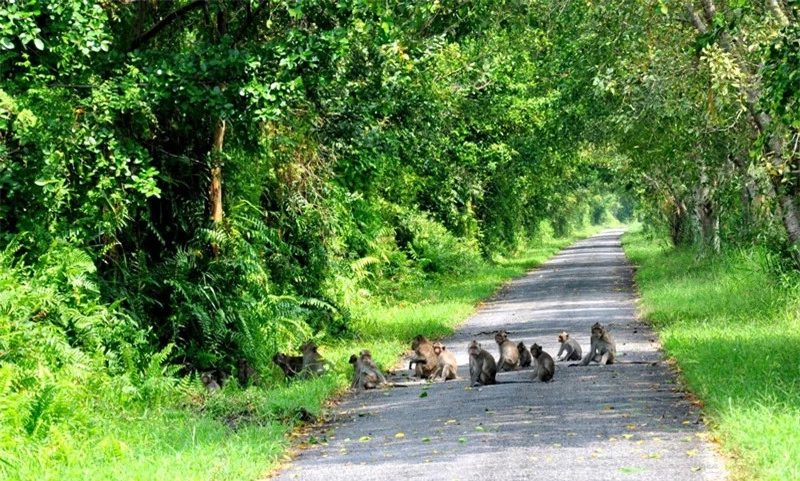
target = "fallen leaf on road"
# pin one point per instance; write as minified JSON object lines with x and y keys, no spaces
{"x":364,"y":439}
{"x":691,"y":452}
{"x":399,"y":435}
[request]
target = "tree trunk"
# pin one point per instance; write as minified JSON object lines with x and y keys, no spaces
{"x":677,"y":223}
{"x":762,"y":120}
{"x":706,"y":213}
{"x":215,"y":186}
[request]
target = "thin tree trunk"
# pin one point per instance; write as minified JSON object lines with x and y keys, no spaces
{"x":791,"y":221}
{"x":215,"y":186}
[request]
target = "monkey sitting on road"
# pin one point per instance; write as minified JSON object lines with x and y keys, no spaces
{"x":545,"y":367}
{"x":570,"y":349}
{"x":425,"y":359}
{"x":603,"y":348}
{"x":366,"y":374}
{"x":446,"y":366}
{"x":509,"y":356}
{"x":482,"y":368}
{"x":525,"y":358}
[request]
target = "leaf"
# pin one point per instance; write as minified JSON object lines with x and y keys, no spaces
{"x":426,"y":440}
{"x":6,"y":43}
{"x":399,"y":435}
{"x":423,"y":394}
{"x":462,"y":440}
{"x":479,"y":428}
{"x":364,"y":439}
{"x":691,"y":452}
{"x":38,"y":43}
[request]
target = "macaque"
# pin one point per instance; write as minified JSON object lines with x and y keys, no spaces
{"x":570,"y":349}
{"x":245,"y":373}
{"x":525,"y":358}
{"x":545,"y":367}
{"x":366,"y":374}
{"x":482,"y":368}
{"x":209,"y":382}
{"x":509,"y":356}
{"x":603,"y":348}
{"x":291,"y":365}
{"x":425,"y":359}
{"x":313,"y":363}
{"x":446,"y":366}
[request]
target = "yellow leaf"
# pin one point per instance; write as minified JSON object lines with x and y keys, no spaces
{"x":613,"y":439}
{"x":696,"y":468}
{"x":627,"y":436}
{"x":451,"y":421}
{"x":631,"y":426}
{"x":399,"y":435}
{"x":691,"y":452}
{"x":364,"y":439}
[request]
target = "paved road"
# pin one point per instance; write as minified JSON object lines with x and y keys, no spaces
{"x":625,"y":421}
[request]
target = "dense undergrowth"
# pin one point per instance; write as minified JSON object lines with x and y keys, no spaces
{"x":733,"y":324}
{"x":73,"y":407}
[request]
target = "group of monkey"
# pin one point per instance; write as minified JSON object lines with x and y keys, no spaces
{"x":433,"y":361}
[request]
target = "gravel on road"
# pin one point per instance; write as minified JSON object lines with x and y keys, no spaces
{"x":626,"y":421}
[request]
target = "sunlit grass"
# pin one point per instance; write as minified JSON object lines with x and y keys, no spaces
{"x":240,"y":434}
{"x":732,"y":325}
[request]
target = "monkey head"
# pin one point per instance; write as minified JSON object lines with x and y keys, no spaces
{"x":536,"y":350}
{"x":438,"y":347}
{"x":474,"y":348}
{"x":563,"y":337}
{"x":353,"y":359}
{"x":521,"y":347}
{"x":418,"y":340}
{"x":501,"y":337}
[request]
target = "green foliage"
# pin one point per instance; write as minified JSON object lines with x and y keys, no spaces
{"x":731,"y":324}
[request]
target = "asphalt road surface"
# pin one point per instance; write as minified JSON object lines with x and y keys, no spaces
{"x":627,"y":421}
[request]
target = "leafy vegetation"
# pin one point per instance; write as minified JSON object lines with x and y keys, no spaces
{"x":731,"y":323}
{"x":188,"y":184}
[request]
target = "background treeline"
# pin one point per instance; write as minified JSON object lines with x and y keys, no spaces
{"x":187,"y":183}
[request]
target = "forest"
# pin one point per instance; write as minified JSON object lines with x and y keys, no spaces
{"x":189,"y":186}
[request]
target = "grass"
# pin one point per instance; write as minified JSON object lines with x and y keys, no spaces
{"x":732,"y":323}
{"x":240,"y":434}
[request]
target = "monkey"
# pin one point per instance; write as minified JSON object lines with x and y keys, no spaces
{"x":245,"y":373}
{"x":313,"y":363}
{"x":525,"y":358}
{"x":545,"y":367}
{"x":603,"y":348}
{"x":570,"y":350}
{"x":209,"y":382}
{"x":366,"y":374}
{"x":446,"y":366}
{"x":291,"y":365}
{"x":482,"y":368}
{"x":425,"y":359}
{"x":509,"y":356}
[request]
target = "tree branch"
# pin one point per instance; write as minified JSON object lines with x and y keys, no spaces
{"x":139,"y":41}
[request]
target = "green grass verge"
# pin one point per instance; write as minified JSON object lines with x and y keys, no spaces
{"x":240,"y":434}
{"x":733,"y":325}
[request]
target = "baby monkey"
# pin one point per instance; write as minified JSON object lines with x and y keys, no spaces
{"x":446,"y":366}
{"x":525,"y":358}
{"x":570,"y":349}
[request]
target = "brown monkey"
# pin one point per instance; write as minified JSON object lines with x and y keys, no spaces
{"x":482,"y":368}
{"x":509,"y":356}
{"x":570,"y":350}
{"x":209,"y":382}
{"x":425,"y":358}
{"x":603,"y":348}
{"x":446,"y":366}
{"x":291,"y":365}
{"x":245,"y":373}
{"x":366,"y":374}
{"x":545,"y":367}
{"x":525,"y":358}
{"x":313,"y":363}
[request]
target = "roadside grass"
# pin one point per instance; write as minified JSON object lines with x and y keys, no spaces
{"x":243,"y":434}
{"x":733,"y":325}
